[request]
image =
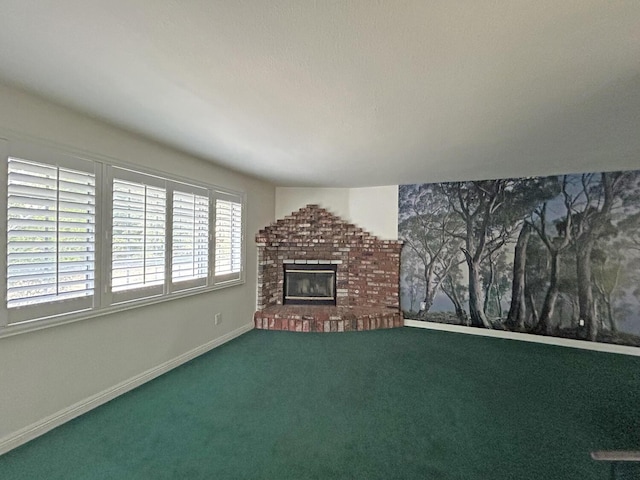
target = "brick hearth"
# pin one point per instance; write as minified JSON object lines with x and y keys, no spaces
{"x":311,"y":318}
{"x":367,"y":277}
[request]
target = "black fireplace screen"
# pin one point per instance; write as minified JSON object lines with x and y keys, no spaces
{"x":309,"y":284}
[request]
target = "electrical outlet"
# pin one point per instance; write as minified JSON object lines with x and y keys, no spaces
{"x":217,"y":319}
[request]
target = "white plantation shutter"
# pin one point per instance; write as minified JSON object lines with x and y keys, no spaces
{"x":190,"y":238}
{"x":138,"y":238}
{"x":85,"y":236}
{"x":228,"y":238}
{"x":51,"y":225}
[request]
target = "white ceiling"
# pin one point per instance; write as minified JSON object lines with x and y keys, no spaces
{"x":347,"y":93}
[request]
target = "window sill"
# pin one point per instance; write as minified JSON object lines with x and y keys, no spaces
{"x":48,"y":322}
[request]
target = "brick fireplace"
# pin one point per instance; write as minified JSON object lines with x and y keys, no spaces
{"x":365,"y":292}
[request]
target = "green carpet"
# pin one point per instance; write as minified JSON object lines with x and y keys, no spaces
{"x":404,"y":403}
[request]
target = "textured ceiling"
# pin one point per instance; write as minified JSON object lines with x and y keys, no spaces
{"x":347,"y":93}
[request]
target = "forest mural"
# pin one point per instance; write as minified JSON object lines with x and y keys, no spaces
{"x":557,"y":255}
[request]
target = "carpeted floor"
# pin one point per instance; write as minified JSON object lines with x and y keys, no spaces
{"x":393,"y":404}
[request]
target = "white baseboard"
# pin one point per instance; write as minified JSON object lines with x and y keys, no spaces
{"x":527,"y":337}
{"x":41,"y":427}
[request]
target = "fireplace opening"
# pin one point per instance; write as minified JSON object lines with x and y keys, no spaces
{"x":309,"y":284}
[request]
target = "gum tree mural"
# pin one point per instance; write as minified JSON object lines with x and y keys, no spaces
{"x":431,"y":232}
{"x":556,"y":255}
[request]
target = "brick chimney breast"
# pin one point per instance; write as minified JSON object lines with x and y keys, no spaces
{"x":367,"y":276}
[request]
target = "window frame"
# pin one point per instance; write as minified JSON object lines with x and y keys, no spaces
{"x":182,"y":285}
{"x":104,"y":300}
{"x":30,"y":313}
{"x":149,"y":291}
{"x":232,"y":276}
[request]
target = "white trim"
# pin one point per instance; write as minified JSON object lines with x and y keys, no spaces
{"x":138,"y":177}
{"x":527,"y":337}
{"x":41,"y":427}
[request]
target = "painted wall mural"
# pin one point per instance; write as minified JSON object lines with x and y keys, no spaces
{"x":557,"y":255}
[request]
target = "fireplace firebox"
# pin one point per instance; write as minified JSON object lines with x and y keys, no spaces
{"x":309,"y":284}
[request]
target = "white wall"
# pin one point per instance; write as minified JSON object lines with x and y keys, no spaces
{"x":373,"y":208}
{"x":46,"y":371}
{"x":290,"y":199}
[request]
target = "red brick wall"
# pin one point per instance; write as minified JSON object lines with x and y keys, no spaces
{"x":368,"y":268}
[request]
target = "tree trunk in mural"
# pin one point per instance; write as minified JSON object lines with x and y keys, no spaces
{"x":430,"y":291}
{"x":490,"y":210}
{"x":546,"y":314}
{"x":518,"y":310}
{"x":612,"y":321}
{"x":476,"y":300}
{"x":531,"y":306}
{"x":555,"y":245}
{"x":449,"y":288}
{"x":605,"y":279}
{"x":498,"y":301}
{"x":594,"y":222}
{"x":489,"y":284}
{"x":476,"y":204}
{"x":575,"y":312}
{"x":585,"y":291}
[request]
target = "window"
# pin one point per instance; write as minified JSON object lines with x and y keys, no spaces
{"x":190,"y":241}
{"x":51,"y":229}
{"x":228,"y":241}
{"x":138,"y":235}
{"x":86,"y":236}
